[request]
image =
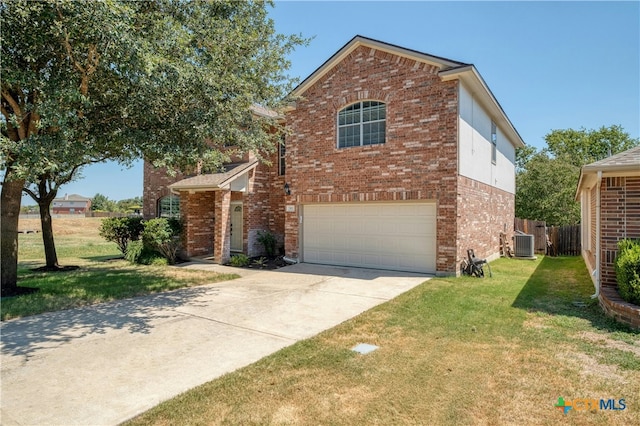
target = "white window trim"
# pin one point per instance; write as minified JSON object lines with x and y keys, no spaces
{"x":361,"y":123}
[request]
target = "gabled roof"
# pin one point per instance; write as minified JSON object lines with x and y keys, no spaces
{"x":72,"y":197}
{"x":449,"y":70}
{"x":358,"y":41}
{"x":214,"y":181}
{"x":626,"y":163}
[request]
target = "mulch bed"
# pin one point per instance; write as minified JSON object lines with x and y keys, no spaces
{"x":263,"y":262}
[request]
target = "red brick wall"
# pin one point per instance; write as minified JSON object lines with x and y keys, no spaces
{"x":198,"y":217}
{"x":156,"y":183}
{"x":264,"y":208}
{"x":262,"y":205}
{"x":484,"y":212}
{"x":417,"y":162}
{"x":619,"y":219}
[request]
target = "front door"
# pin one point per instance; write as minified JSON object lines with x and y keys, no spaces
{"x":236,"y":227}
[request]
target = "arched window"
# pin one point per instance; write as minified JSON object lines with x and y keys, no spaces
{"x":169,"y":206}
{"x":362,"y":123}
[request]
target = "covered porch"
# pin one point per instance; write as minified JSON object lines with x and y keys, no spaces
{"x":213,"y":211}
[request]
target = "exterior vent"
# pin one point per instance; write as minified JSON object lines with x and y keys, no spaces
{"x":524,"y":245}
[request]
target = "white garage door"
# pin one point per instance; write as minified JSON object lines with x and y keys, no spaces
{"x":396,"y":236}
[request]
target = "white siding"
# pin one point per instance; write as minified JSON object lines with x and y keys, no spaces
{"x":474,"y":140}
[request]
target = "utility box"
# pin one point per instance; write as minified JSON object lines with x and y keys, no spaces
{"x":524,"y":245}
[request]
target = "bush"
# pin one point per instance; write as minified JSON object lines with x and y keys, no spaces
{"x":163,"y":236}
{"x":121,"y":230}
{"x":239,"y":260}
{"x":137,"y":252}
{"x":627,"y":266}
{"x":134,"y":251}
{"x":268,"y":241}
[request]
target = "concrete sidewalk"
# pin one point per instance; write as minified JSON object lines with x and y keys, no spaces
{"x":104,"y":364}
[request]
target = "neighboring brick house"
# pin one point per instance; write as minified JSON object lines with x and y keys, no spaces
{"x":395,"y":159}
{"x":71,"y":204}
{"x":609,"y":196}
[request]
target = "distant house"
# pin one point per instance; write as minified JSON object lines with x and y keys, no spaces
{"x":609,"y":195}
{"x":71,"y":204}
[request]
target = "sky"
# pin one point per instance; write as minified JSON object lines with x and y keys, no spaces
{"x":550,"y":65}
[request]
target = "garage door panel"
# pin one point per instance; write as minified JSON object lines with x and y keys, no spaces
{"x":397,"y":236}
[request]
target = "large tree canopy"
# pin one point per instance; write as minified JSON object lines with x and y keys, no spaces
{"x":168,"y":80}
{"x":546,"y":180}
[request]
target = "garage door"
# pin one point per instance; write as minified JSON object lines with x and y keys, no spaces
{"x":396,"y":236}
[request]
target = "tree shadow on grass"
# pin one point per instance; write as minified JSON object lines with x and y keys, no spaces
{"x":27,"y":336}
{"x":561,"y":286}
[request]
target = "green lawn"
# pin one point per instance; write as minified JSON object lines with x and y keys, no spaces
{"x":101,"y":276}
{"x":453,"y":351}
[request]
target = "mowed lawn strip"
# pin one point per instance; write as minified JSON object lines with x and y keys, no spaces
{"x":101,"y":277}
{"x":498,"y":350}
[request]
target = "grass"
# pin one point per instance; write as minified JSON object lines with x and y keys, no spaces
{"x":498,"y":350}
{"x":101,"y":276}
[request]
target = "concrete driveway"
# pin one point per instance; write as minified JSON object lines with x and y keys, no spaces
{"x":104,"y":364}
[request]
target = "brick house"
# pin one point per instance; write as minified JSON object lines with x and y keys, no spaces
{"x":609,"y":196}
{"x":71,"y":204}
{"x":395,"y":159}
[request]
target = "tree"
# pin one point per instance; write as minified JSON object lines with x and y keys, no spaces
{"x":546,"y":180}
{"x":546,"y":190}
{"x":43,"y":192}
{"x":168,"y":80}
{"x":102,"y":203}
{"x":580,"y":147}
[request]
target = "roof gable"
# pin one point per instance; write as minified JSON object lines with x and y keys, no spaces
{"x":626,"y":163}
{"x":72,"y":197}
{"x":447,"y":70}
{"x":358,"y":41}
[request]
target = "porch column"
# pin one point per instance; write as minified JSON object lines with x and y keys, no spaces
{"x":222,"y":227}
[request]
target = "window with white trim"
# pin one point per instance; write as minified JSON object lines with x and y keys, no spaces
{"x":494,"y":143}
{"x":169,"y":206}
{"x":362,"y":123}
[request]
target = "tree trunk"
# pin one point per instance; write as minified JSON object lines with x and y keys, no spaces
{"x":47,"y":234}
{"x":9,"y":214}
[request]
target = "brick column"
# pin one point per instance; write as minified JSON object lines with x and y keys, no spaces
{"x":222,"y":227}
{"x":198,"y":214}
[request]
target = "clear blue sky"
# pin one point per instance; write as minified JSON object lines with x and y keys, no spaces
{"x":551,"y":65}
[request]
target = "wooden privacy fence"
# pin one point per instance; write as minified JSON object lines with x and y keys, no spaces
{"x":565,"y":240}
{"x":537,"y":229}
{"x":562,"y":240}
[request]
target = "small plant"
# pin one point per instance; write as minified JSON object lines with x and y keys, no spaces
{"x":239,"y":260}
{"x":260,"y":262}
{"x":268,"y":241}
{"x":627,"y":265}
{"x":121,"y":230}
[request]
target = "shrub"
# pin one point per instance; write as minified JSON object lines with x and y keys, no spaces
{"x":627,"y":265}
{"x":268,"y":241}
{"x":137,"y":252}
{"x":134,"y":251}
{"x":239,"y":260}
{"x":163,"y":236}
{"x":121,"y":230}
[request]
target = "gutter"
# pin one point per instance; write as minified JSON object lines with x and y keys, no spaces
{"x":598,"y":269}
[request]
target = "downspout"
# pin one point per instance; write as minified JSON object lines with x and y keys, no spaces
{"x":597,"y":271}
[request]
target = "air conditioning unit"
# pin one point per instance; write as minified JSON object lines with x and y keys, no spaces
{"x":524,"y":245}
